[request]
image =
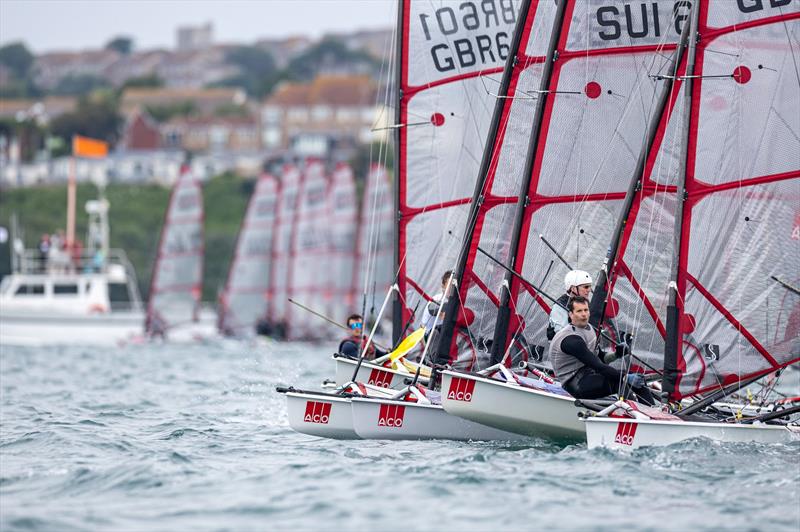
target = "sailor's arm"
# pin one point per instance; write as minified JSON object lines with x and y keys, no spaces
{"x":575,"y":345}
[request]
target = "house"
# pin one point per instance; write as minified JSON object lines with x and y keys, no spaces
{"x":205,"y":101}
{"x":329,"y":110}
{"x":212,"y":134}
{"x":141,"y":132}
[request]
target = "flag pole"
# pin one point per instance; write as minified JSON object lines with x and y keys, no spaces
{"x":71,"y":199}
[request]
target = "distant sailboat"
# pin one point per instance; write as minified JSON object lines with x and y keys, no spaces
{"x":342,"y":215}
{"x":280,"y":311}
{"x":244,"y":300}
{"x":177,"y":281}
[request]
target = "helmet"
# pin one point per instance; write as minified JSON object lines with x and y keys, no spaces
{"x":576,"y":278}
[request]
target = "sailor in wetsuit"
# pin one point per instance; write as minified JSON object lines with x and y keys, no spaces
{"x":353,"y":343}
{"x":581,"y":372}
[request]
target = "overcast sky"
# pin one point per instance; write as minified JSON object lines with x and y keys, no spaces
{"x":46,"y":25}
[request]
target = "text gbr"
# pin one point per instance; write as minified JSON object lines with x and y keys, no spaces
{"x":486,"y":46}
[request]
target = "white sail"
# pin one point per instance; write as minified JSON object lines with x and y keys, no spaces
{"x":244,"y":300}
{"x":176,"y":284}
{"x":341,"y":262}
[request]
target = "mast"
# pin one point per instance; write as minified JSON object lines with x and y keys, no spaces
{"x":672,"y":340}
{"x":598,"y":303}
{"x":503,"y":311}
{"x":397,"y":303}
{"x":452,"y":306}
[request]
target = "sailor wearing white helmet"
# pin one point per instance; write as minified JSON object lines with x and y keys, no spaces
{"x":576,"y":283}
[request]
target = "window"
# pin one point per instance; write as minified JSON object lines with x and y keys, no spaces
{"x":30,"y":290}
{"x":65,"y":289}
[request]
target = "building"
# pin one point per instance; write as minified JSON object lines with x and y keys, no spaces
{"x":204,"y":101}
{"x":312,"y":117}
{"x":212,"y":134}
{"x":141,"y":132}
{"x":190,"y":38}
{"x":49,"y":69}
{"x":43,"y":110}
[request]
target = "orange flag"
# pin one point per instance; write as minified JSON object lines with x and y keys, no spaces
{"x":86,"y":147}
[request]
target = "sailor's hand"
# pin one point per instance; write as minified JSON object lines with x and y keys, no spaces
{"x":610,"y":356}
{"x":635,"y":380}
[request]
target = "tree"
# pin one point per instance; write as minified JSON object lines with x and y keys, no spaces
{"x":121,"y":44}
{"x":79,"y":84}
{"x":329,"y":53}
{"x":258,"y":72}
{"x":148,"y":81}
{"x":17,"y":59}
{"x":97,"y":118}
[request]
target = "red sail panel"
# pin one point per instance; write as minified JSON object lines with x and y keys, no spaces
{"x":374,"y":273}
{"x":309,"y":277}
{"x":244,"y":300}
{"x":177,"y":281}
{"x":280,"y":310}
{"x":600,"y":97}
{"x":341,"y":224}
{"x":451,"y":62}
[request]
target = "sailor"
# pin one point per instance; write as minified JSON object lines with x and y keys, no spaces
{"x":576,"y":283}
{"x":581,"y":372}
{"x":431,"y":317}
{"x":356,"y":340}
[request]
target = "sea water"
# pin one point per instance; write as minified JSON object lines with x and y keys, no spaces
{"x":194,"y":437}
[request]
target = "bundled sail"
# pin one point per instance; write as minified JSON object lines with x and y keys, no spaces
{"x":451,"y":56}
{"x":309,"y":277}
{"x":375,"y":271}
{"x":574,"y":115}
{"x":176,"y":284}
{"x":341,"y":261}
{"x":243,"y":302}
{"x":735,"y":140}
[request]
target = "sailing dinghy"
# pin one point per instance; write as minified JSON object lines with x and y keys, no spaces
{"x":730,"y":232}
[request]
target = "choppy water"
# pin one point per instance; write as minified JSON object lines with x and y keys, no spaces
{"x":178,"y":438}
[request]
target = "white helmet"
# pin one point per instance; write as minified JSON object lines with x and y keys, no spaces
{"x":576,"y":278}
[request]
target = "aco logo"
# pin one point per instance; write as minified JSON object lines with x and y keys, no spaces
{"x":317,"y":412}
{"x":461,"y":389}
{"x":380,"y":378}
{"x":625,"y":433}
{"x":391,"y":416}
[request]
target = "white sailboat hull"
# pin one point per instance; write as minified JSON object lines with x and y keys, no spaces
{"x":321,"y":415}
{"x":370,"y":373}
{"x":397,"y":420}
{"x":626,"y":433}
{"x":510,"y":407}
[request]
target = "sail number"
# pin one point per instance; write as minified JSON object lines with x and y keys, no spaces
{"x":472,"y":16}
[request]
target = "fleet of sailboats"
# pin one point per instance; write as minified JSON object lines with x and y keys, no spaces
{"x":658,"y":147}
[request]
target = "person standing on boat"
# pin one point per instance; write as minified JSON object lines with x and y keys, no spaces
{"x":356,"y":340}
{"x":576,"y":283}
{"x":581,"y":372}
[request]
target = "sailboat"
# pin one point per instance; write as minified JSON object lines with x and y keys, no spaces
{"x":280,"y":312}
{"x":576,"y":141}
{"x":244,"y":300}
{"x":173,"y":308}
{"x":445,"y":76}
{"x":724,"y":257}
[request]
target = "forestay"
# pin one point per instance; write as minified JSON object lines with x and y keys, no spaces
{"x":374,"y":273}
{"x":177,"y":280}
{"x":244,"y":300}
{"x":451,"y":56}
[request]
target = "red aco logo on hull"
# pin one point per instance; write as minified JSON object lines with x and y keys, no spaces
{"x":625,"y":433}
{"x":317,"y":412}
{"x":461,"y":389}
{"x":380,"y":378}
{"x":391,"y":416}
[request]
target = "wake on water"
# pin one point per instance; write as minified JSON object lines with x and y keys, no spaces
{"x":177,"y":437}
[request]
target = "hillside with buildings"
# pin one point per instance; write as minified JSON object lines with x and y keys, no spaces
{"x":234,"y":107}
